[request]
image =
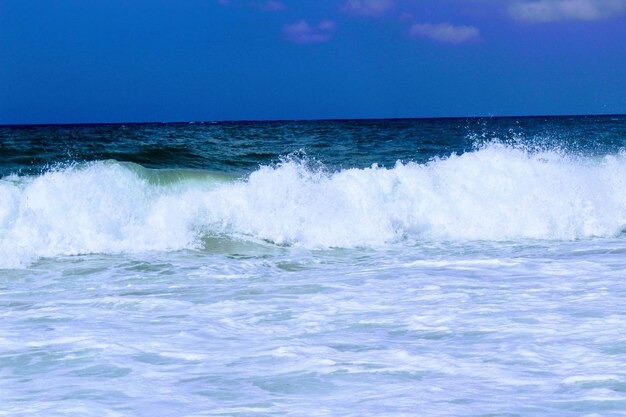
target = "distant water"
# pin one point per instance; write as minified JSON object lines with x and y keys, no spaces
{"x":456,"y":267}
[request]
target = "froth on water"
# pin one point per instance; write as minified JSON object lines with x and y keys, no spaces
{"x":496,"y":192}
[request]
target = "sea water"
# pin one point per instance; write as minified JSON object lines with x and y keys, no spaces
{"x":456,"y":267}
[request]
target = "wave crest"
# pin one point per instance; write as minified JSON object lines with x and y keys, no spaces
{"x":497,"y":192}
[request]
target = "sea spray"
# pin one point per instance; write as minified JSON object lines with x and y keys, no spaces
{"x":497,"y":192}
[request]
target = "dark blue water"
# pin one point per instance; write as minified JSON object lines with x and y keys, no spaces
{"x":243,"y":146}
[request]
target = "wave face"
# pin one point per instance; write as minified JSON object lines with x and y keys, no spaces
{"x":495,"y":193}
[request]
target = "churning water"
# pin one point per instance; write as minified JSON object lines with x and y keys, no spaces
{"x":399,"y":268}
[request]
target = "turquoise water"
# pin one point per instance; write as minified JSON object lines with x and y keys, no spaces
{"x":459,"y":267}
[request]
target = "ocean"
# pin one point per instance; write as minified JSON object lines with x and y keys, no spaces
{"x":429,"y":267}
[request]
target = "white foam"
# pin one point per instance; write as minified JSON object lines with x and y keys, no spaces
{"x":578,"y":379}
{"x":495,"y":193}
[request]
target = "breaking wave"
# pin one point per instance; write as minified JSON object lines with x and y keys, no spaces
{"x":497,"y":192}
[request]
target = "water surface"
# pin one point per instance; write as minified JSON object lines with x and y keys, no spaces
{"x":456,"y":267}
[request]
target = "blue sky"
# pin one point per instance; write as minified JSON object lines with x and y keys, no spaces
{"x":72,"y":61}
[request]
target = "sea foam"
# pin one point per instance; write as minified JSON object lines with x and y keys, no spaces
{"x":497,"y":192}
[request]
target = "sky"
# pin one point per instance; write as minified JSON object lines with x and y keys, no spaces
{"x":90,"y":61}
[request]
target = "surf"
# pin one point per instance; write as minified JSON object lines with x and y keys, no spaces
{"x":497,"y":192}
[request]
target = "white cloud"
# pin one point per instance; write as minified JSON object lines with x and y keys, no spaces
{"x":445,"y":32}
{"x":541,"y":11}
{"x":268,"y":5}
{"x":273,"y":6}
{"x":302,"y":32}
{"x":368,"y":7}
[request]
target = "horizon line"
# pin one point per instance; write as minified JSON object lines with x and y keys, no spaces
{"x":312,"y":120}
